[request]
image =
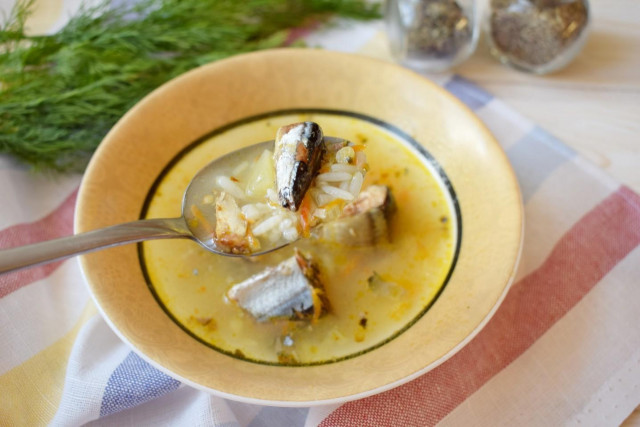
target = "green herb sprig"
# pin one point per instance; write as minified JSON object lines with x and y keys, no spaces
{"x":61,"y":93}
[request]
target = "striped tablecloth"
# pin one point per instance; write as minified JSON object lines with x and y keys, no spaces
{"x":563,"y":349}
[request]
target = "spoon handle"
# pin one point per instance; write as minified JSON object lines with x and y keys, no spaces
{"x":53,"y":250}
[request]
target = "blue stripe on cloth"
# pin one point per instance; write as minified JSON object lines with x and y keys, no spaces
{"x":133,"y":382}
{"x":275,"y":417}
{"x":534,"y":157}
{"x":468,"y":92}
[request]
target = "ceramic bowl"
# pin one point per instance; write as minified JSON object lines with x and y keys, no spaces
{"x":150,"y":136}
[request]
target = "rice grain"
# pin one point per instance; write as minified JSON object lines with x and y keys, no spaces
{"x":290,"y":234}
{"x":266,"y":225}
{"x":356,"y":184}
{"x":334,"y":176}
{"x":337,"y":192}
{"x":339,"y":167}
{"x":230,"y":187}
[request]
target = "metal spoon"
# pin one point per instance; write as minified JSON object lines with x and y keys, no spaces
{"x":183,"y":227}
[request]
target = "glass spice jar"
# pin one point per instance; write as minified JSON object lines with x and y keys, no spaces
{"x":431,"y":35}
{"x":538,"y":36}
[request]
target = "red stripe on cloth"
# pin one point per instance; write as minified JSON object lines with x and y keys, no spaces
{"x":582,"y":257}
{"x":56,"y":224}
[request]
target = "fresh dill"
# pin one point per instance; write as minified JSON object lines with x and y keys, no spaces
{"x":61,"y":93}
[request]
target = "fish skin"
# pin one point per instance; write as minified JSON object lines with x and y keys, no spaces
{"x":298,"y":153}
{"x":285,"y":291}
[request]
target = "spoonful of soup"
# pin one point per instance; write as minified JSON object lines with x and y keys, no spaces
{"x":249,"y":202}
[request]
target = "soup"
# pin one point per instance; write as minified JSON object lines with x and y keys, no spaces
{"x":374,"y":292}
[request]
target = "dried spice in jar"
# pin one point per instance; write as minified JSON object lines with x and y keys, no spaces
{"x":431,"y":34}
{"x":537,"y":35}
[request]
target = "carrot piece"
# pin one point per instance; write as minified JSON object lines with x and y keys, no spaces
{"x":305,"y":215}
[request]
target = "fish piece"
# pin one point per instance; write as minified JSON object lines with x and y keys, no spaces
{"x":291,"y":290}
{"x":298,"y":153}
{"x":364,"y":221}
{"x":231,"y":233}
{"x":373,"y":197}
